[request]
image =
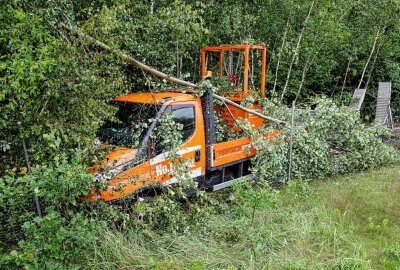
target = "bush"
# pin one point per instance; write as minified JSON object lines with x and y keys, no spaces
{"x":57,"y":184}
{"x":49,"y":87}
{"x":332,"y":140}
{"x":299,"y":188}
{"x":176,"y":213}
{"x":254,"y":196}
{"x":53,"y":242}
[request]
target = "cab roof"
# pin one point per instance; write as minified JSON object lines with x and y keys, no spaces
{"x":156,"y":98}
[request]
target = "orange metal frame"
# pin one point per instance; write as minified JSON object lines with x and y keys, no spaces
{"x":243,"y":47}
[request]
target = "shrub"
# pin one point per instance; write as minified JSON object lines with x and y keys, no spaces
{"x":299,"y":188}
{"x":332,"y":140}
{"x":53,"y":242}
{"x":176,"y":213}
{"x":255,"y":196}
{"x":49,"y":87}
{"x":64,"y":230}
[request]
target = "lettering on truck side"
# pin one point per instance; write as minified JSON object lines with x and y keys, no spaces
{"x":162,"y":169}
{"x":231,"y":150}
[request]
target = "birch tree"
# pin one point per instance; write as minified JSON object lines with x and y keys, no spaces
{"x":296,"y":51}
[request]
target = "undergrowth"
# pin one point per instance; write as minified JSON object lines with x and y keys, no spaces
{"x":321,"y":225}
{"x":252,"y":227}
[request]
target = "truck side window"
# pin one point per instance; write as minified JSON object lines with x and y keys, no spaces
{"x":186,"y":117}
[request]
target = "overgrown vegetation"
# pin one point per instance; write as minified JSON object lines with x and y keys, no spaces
{"x":329,"y":140}
{"x":52,"y":82}
{"x":348,"y":222}
{"x":340,"y":144}
{"x":55,"y":92}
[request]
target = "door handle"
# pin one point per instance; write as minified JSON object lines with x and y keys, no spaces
{"x":197,"y":155}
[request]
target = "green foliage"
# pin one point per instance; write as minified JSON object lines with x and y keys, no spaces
{"x":327,"y":230}
{"x":49,"y":88}
{"x":16,"y":207}
{"x":57,"y":184}
{"x":299,"y":188}
{"x":54,"y":242}
{"x":168,"y":133}
{"x":52,"y":82}
{"x":393,"y":252}
{"x":181,"y":206}
{"x":332,"y":140}
{"x":222,"y":132}
{"x":176,"y":214}
{"x":255,"y":195}
{"x":54,"y":93}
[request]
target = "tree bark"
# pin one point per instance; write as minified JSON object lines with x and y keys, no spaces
{"x":369,"y":58}
{"x":297,"y":49}
{"x":373,"y":65}
{"x":129,"y":59}
{"x":303,"y":76}
{"x":152,"y":3}
{"x":345,"y":76}
{"x":177,"y":60}
{"x":279,"y":57}
{"x":230,"y":102}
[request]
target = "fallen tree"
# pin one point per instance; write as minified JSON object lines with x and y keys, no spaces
{"x":160,"y":74}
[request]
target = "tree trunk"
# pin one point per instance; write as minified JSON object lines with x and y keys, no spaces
{"x":152,"y":3}
{"x":372,"y":67}
{"x":162,"y":75}
{"x":177,"y":60}
{"x":337,"y":81}
{"x":279,"y":56}
{"x":369,"y":58}
{"x":345,"y":76}
{"x":303,"y":76}
{"x":296,"y":51}
{"x":374,"y":62}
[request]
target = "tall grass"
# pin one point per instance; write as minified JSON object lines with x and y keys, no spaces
{"x":349,"y":222}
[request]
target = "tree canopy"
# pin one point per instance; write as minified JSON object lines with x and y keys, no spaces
{"x":56,"y":86}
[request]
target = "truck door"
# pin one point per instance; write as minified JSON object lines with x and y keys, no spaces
{"x":191,"y":150}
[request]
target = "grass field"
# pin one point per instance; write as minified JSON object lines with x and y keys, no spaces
{"x":347,"y":222}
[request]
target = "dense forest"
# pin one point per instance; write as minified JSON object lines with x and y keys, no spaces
{"x":55,"y":93}
{"x":54,"y":83}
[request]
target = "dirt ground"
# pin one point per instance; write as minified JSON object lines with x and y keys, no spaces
{"x":394,"y":139}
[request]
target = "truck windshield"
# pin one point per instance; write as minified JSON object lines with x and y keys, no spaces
{"x":130,"y":124}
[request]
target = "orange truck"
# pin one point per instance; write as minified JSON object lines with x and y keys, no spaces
{"x":131,"y":170}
